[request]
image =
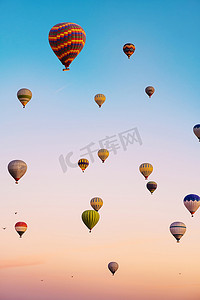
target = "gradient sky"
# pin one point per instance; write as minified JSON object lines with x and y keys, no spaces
{"x":62,"y":117}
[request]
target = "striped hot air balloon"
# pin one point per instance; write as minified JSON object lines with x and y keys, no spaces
{"x":192,"y":203}
{"x":20,"y":227}
{"x":177,"y":229}
{"x":96,"y":203}
{"x":99,"y":99}
{"x":24,"y":96}
{"x":83,"y":163}
{"x":90,"y":218}
{"x":146,"y":169}
{"x":67,"y":40}
{"x":129,"y":49}
{"x":151,"y":186}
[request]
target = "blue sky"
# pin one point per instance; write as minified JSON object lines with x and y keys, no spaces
{"x":62,"y":117}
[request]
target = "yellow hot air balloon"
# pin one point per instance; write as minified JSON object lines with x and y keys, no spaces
{"x":103,"y":154}
{"x":96,"y":203}
{"x":90,"y":218}
{"x":24,"y":96}
{"x":83,"y":164}
{"x":100,"y":99}
{"x":146,"y":169}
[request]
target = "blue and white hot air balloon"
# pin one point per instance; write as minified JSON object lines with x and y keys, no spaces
{"x":177,"y":229}
{"x":192,"y":203}
{"x":196,"y":130}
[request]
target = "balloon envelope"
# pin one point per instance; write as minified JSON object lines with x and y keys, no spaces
{"x":196,"y":130}
{"x":20,"y":227}
{"x":67,"y":40}
{"x":113,"y":267}
{"x":99,"y":99}
{"x":17,"y":168}
{"x":146,"y":169}
{"x":151,"y":186}
{"x":103,"y":154}
{"x":96,"y":203}
{"x":24,"y":96}
{"x":177,"y":229}
{"x":192,"y":203}
{"x":149,"y":91}
{"x":90,"y":218}
{"x":129,"y":49}
{"x":83,"y":164}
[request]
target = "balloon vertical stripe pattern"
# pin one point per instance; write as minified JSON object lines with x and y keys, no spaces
{"x":90,"y":218}
{"x":67,"y":40}
{"x":146,"y":169}
{"x":96,"y":203}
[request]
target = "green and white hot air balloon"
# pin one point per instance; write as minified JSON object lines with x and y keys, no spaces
{"x":24,"y":96}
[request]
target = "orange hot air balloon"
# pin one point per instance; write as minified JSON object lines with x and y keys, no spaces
{"x":67,"y":40}
{"x":20,"y":227}
{"x":129,"y":49}
{"x":103,"y":154}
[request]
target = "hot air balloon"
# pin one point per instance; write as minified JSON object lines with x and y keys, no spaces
{"x":83,"y":164}
{"x":17,"y":168}
{"x":90,"y":218}
{"x":177,"y":229}
{"x":192,"y":203}
{"x":67,"y":40}
{"x":20,"y":227}
{"x":24,"y":96}
{"x":113,"y":267}
{"x":96,"y":203}
{"x":129,"y":49}
{"x":196,"y":130}
{"x":103,"y":154}
{"x":149,"y":91}
{"x":146,"y":169}
{"x":99,"y":99}
{"x":151,"y":186}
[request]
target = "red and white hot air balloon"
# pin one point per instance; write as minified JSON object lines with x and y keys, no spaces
{"x":20,"y":227}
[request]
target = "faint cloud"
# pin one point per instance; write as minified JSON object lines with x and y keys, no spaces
{"x":62,"y":88}
{"x":20,"y":263}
